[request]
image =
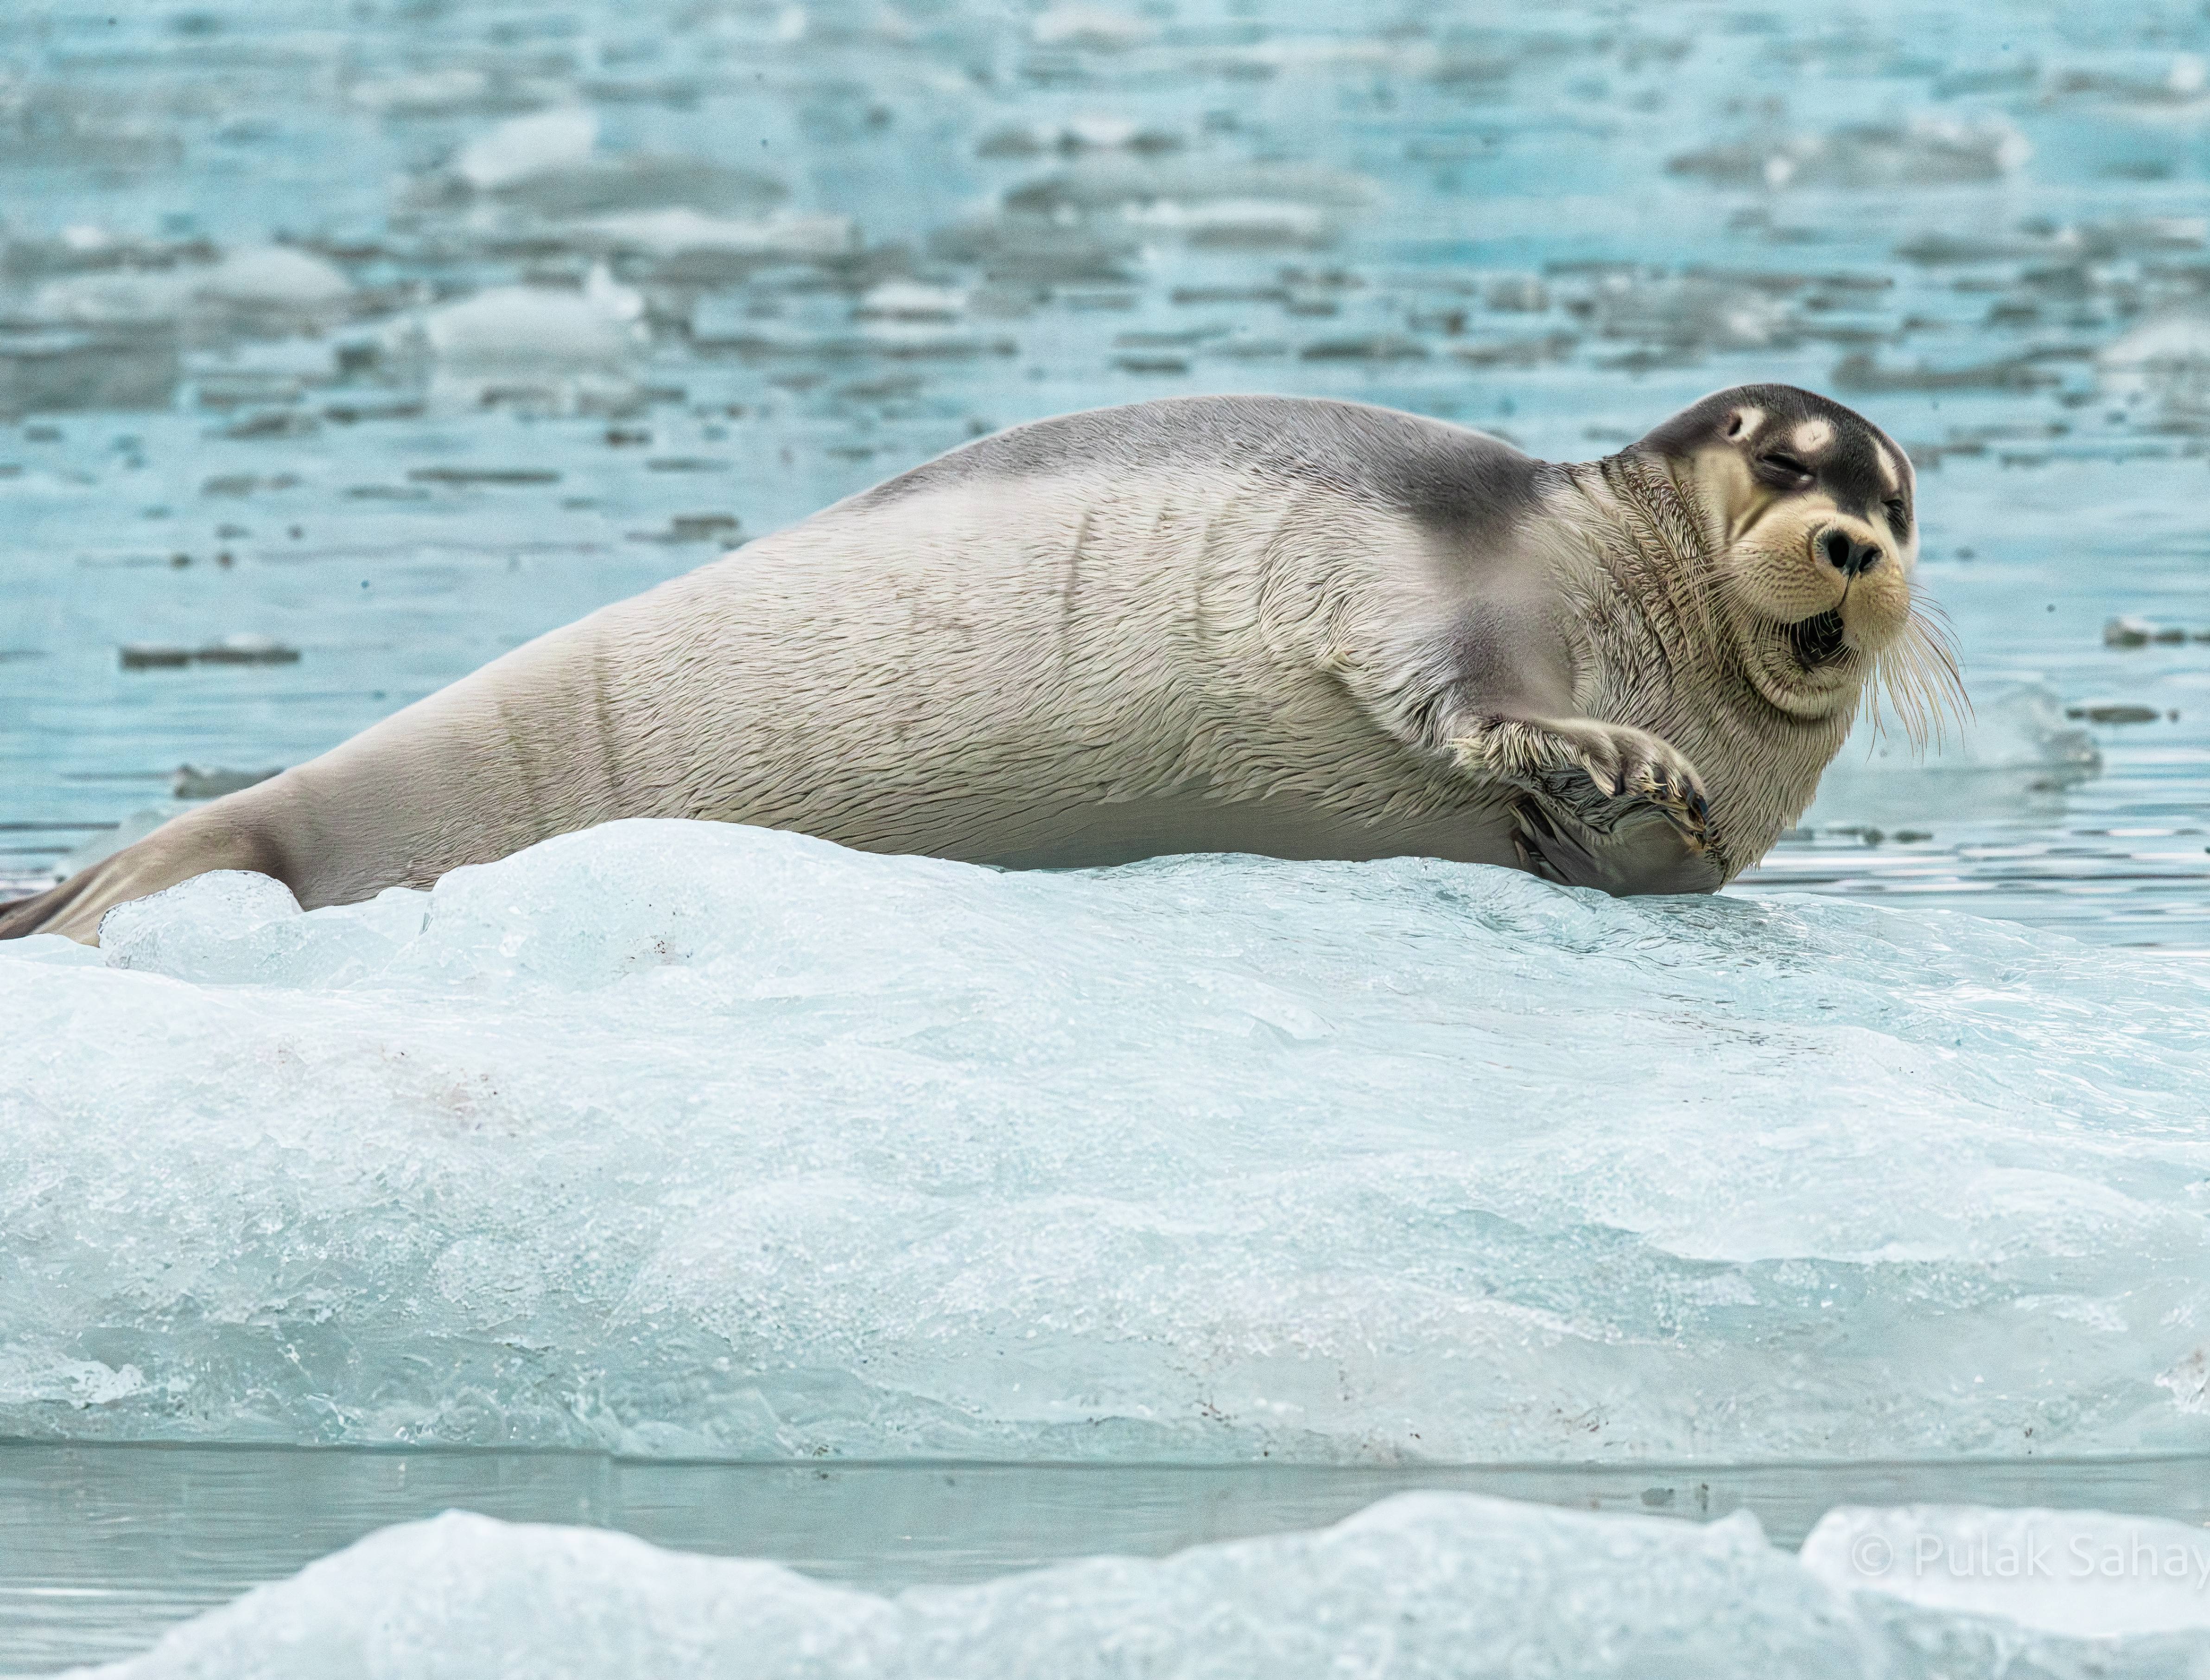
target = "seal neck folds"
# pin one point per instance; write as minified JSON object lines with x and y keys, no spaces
{"x":1761,"y":705}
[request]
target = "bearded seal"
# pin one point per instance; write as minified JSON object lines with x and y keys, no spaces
{"x":1303,"y":628}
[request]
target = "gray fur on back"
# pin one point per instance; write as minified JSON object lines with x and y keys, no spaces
{"x":1457,"y":482}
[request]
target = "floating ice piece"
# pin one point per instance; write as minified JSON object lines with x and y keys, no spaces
{"x":1251,"y":223}
{"x":1427,"y":1584}
{"x":1446,"y":1586}
{"x":681,"y":231}
{"x":682,"y":1137}
{"x":546,"y":163}
{"x":451,"y":88}
{"x":1114,"y":182}
{"x":527,"y":146}
{"x":1690,"y":314}
{"x":1090,"y":26}
{"x":2082,"y":1574}
{"x":292,"y":285}
{"x":908,"y":300}
{"x":1926,"y":151}
{"x":2166,"y":360}
{"x":2128,"y":631}
{"x":599,"y":326}
{"x":104,"y":300}
{"x":276,"y":276}
{"x":2016,"y":747}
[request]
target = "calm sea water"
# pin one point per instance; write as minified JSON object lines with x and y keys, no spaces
{"x":111,"y":1544}
{"x":391,"y":341}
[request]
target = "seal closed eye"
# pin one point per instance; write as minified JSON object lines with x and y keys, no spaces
{"x":1305,"y":628}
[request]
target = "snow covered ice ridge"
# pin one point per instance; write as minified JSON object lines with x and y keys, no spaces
{"x":1430,"y":1585}
{"x":676,"y":1138}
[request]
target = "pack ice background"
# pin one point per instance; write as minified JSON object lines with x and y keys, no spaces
{"x":348,"y":358}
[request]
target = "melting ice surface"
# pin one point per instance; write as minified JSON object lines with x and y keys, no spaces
{"x":687,"y":1138}
{"x":1431,"y":1585}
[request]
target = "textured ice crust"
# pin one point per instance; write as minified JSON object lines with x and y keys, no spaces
{"x":680,"y":1137}
{"x":1435,"y":1585}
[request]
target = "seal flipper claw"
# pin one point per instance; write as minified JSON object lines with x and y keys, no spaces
{"x":1600,"y":805}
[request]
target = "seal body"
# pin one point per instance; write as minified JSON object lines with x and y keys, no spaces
{"x":1302,"y":628}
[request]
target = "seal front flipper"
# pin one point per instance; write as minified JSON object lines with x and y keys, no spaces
{"x":1600,"y":805}
{"x":1644,"y":853}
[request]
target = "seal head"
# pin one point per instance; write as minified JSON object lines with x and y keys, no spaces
{"x":1811,"y":517}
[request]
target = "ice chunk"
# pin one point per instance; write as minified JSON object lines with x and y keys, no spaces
{"x":529,"y":326}
{"x":909,"y":300}
{"x":2166,"y":360}
{"x":233,"y":926}
{"x":278,"y":277}
{"x":1690,"y":315}
{"x":2085,"y":1575}
{"x":1924,"y":151}
{"x":685,"y":1138}
{"x":265,"y":286}
{"x":681,"y":232}
{"x":528,"y":146}
{"x":1090,"y":26}
{"x":169,"y":931}
{"x":1426,"y":1583}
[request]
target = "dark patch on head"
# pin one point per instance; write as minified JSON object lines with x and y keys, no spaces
{"x":1848,"y":468}
{"x":1459,"y":483}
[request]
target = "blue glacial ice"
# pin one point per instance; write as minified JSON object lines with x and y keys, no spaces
{"x":1429,"y":1585}
{"x":677,"y":1138}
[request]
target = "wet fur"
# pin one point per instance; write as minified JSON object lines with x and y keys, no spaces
{"x":1308,"y":629}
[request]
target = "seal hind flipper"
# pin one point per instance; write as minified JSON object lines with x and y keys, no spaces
{"x":20,"y":918}
{"x":191,"y":844}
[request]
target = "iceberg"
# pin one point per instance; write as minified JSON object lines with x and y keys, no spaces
{"x":1446,"y":1586}
{"x":687,"y":1138}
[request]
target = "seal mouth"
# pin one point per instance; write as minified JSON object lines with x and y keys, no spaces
{"x":1818,"y":640}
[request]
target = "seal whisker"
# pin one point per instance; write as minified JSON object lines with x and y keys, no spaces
{"x":1917,"y":675}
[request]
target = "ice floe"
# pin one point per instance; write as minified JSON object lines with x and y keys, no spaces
{"x":685,"y":1138}
{"x":273,"y":287}
{"x":1445,"y":1585}
{"x":599,"y":325}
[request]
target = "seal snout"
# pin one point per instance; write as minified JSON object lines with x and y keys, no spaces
{"x":1848,"y":554}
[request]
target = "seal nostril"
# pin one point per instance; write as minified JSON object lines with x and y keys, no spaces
{"x":1846,"y":555}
